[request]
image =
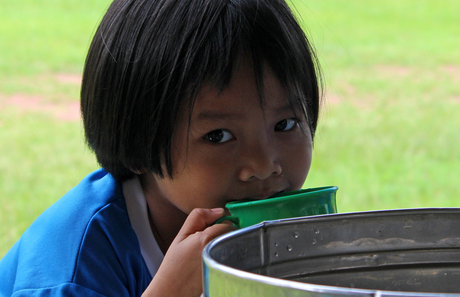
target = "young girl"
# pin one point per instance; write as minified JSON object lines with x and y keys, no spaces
{"x":188,"y":105}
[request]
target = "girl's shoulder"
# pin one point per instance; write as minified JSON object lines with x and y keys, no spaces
{"x":84,"y":239}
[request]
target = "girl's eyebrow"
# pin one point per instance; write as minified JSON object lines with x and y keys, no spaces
{"x":281,"y":108}
{"x":218,"y":115}
{"x":212,"y":115}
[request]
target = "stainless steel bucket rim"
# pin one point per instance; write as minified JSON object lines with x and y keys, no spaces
{"x":308,"y":286}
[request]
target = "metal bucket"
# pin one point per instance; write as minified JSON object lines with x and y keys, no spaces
{"x":413,"y":252}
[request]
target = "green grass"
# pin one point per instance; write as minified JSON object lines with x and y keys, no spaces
{"x":46,"y":35}
{"x":42,"y":158}
{"x":388,"y":133}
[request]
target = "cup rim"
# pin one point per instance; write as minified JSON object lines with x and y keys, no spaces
{"x":291,"y":195}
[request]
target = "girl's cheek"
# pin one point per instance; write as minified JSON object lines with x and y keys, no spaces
{"x":299,"y":165}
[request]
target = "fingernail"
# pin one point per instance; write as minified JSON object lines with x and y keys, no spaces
{"x":219,"y":209}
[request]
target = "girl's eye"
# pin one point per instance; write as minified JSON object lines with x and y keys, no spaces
{"x":285,"y":125}
{"x":219,"y":136}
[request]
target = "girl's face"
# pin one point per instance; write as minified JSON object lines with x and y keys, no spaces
{"x":234,"y":149}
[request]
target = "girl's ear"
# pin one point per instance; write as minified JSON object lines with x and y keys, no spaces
{"x":138,"y":171}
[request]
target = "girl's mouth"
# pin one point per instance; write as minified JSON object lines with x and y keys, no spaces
{"x":262,"y":196}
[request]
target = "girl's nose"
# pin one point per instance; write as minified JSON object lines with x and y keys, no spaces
{"x":259,"y":162}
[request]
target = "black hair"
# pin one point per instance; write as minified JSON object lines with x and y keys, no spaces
{"x":148,"y":57}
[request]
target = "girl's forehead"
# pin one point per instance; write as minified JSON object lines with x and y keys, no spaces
{"x":243,"y":92}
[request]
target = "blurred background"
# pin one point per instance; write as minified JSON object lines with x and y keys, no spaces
{"x":389,"y":127}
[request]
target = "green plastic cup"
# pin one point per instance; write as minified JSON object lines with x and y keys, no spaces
{"x":301,"y":203}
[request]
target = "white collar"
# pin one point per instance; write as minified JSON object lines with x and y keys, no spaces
{"x":137,"y":212}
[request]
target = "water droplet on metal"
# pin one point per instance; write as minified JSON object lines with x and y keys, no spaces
{"x":296,"y":234}
{"x":289,"y":247}
{"x":408,"y":224}
{"x":276,"y":254}
{"x":316,"y":231}
{"x":276,"y":244}
{"x":314,"y":241}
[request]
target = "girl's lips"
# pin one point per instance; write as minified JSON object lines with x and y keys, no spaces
{"x":262,"y":196}
{"x":267,"y":196}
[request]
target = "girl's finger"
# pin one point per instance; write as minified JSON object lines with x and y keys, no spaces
{"x":198,"y":220}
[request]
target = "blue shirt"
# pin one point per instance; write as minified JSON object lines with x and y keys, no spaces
{"x":83,"y":245}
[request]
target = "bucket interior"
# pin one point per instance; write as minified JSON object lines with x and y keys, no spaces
{"x":401,"y":251}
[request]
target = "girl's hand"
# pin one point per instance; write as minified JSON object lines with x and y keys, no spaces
{"x":180,"y":273}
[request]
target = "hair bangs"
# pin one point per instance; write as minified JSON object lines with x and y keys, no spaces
{"x":150,"y":58}
{"x":265,"y":33}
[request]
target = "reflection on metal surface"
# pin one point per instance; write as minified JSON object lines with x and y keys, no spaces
{"x":413,"y":252}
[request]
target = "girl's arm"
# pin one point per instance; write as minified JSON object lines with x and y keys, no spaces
{"x":180,"y":273}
